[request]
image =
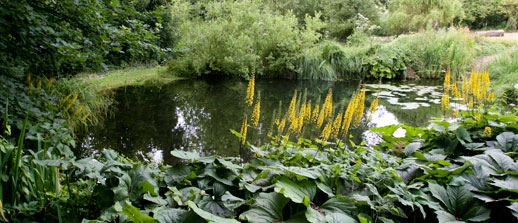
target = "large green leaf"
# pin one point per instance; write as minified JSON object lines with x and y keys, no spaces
{"x":514,"y":209}
{"x":339,"y":218}
{"x":267,"y":207}
{"x":192,"y":156}
{"x":463,"y":135}
{"x":231,"y":202}
{"x":214,"y":207}
{"x":336,"y":209}
{"x":412,"y":148}
{"x":445,"y":217}
{"x":459,"y":202}
{"x":509,"y":184}
{"x":298,"y":192}
{"x":507,"y":142}
{"x":172,"y":215}
{"x":134,"y":214}
{"x":302,"y":173}
{"x":208,"y":216}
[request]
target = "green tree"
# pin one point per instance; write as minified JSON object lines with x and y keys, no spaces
{"x":412,"y":15}
{"x":68,"y":36}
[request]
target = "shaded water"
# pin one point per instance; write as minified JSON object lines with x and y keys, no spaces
{"x":149,"y":122}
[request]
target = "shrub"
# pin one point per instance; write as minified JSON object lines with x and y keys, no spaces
{"x":484,"y":13}
{"x":236,"y":37}
{"x":65,"y":37}
{"x":340,"y":16}
{"x":412,"y":15}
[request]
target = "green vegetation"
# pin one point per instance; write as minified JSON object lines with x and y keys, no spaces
{"x":462,"y":171}
{"x":238,"y":38}
{"x":413,"y":15}
{"x":128,"y":77}
{"x":460,"y":168}
{"x":505,"y":68}
{"x":65,"y":37}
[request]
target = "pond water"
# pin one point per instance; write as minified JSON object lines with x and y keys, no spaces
{"x":148,"y":122}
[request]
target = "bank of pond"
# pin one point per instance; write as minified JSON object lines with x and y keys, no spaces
{"x":218,"y":151}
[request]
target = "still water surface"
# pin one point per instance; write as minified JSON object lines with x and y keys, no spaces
{"x":148,"y":122}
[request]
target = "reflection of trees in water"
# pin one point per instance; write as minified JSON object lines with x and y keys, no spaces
{"x":143,"y":120}
{"x":197,"y":115}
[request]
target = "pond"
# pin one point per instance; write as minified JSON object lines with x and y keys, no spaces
{"x":148,"y":122}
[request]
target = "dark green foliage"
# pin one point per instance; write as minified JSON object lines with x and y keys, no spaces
{"x":65,"y":37}
{"x":341,"y":17}
{"x":237,"y":38}
{"x":413,"y":15}
{"x":484,"y":13}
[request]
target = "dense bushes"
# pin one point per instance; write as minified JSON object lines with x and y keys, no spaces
{"x":340,"y":16}
{"x":412,"y":15}
{"x":235,"y":38}
{"x":484,"y":13}
{"x":65,"y":37}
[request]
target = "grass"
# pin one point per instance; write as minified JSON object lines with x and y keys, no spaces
{"x":129,"y":77}
{"x":504,"y":71}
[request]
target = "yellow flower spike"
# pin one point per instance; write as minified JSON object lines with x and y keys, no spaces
{"x":78,"y":110}
{"x":348,"y":116}
{"x":326,"y":132}
{"x":447,"y":80}
{"x":293,"y":126}
{"x":38,"y":85}
{"x":456,"y":113}
{"x":321,"y":116}
{"x":491,"y":97}
{"x":465,"y":89}
{"x":68,"y":106}
{"x":280,"y":129}
{"x":358,"y":114}
{"x":292,"y":109}
{"x":471,"y":104}
{"x":478,"y":117}
{"x":28,"y":80}
{"x":249,"y":100}
{"x":300,"y":124}
{"x":277,"y":121}
{"x":373,"y":108}
{"x":374,"y":105}
{"x":445,"y":101}
{"x":244,"y":128}
{"x":256,"y":112}
{"x":30,"y":87}
{"x":51,"y":81}
{"x":314,"y":116}
{"x":307,"y":117}
{"x":302,"y":111}
{"x":74,"y":98}
{"x":336,"y":125}
{"x":328,"y":104}
{"x":487,"y":131}
{"x":454,"y":89}
{"x":66,"y":98}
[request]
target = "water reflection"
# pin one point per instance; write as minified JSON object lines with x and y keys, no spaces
{"x":148,"y":122}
